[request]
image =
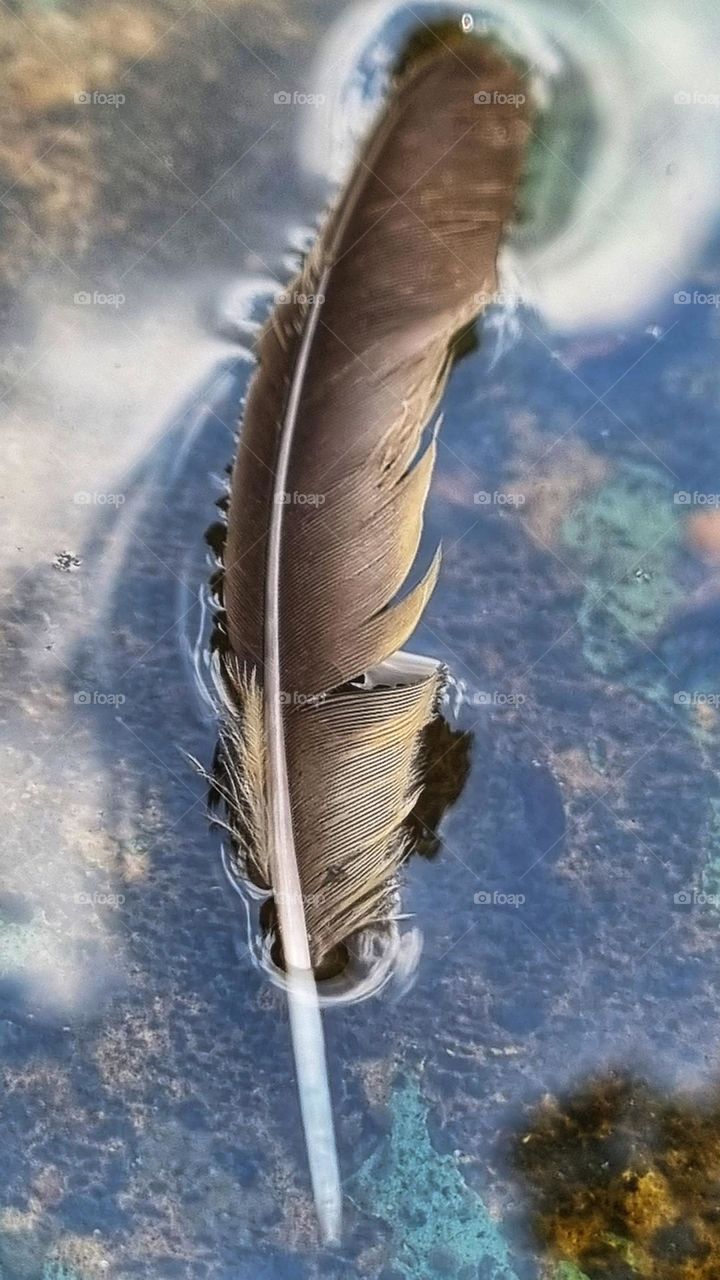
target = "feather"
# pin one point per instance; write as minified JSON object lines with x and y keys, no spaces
{"x":324,"y":713}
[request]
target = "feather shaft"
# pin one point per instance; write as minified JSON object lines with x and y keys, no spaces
{"x":303,"y":1005}
{"x":315,"y":1104}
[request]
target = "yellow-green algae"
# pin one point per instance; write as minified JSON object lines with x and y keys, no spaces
{"x":637,"y":1199}
{"x":440,"y":1227}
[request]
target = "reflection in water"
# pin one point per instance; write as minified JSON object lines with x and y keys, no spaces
{"x":445,"y":765}
{"x":624,"y":1181}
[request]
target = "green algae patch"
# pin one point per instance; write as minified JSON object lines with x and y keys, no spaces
{"x":440,"y":1227}
{"x":568,"y":1271}
{"x":625,"y":538}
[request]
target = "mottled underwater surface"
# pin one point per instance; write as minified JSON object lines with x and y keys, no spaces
{"x":542,"y":1104}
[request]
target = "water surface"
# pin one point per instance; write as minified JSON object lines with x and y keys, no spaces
{"x":532,"y":1105}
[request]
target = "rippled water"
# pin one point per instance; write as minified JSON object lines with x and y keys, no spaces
{"x":535,"y":1104}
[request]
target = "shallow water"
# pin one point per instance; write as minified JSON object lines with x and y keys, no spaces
{"x":535,"y":1104}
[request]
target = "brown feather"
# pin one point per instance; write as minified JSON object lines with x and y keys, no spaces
{"x":325,"y":517}
{"x":402,"y":262}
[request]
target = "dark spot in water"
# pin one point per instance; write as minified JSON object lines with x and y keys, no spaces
{"x":678,"y":1243}
{"x":520,"y":1014}
{"x":544,"y":810}
{"x":66,"y":562}
{"x":14,"y":909}
{"x":193,"y":1115}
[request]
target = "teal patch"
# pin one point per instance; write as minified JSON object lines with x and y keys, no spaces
{"x":440,"y":1227}
{"x":711,"y":872}
{"x":18,"y":945}
{"x":59,"y":1271}
{"x":625,"y":539}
